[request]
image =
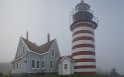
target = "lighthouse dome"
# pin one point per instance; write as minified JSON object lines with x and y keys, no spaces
{"x":82,"y":7}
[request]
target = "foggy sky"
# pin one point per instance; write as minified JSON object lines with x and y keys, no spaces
{"x":40,"y":17}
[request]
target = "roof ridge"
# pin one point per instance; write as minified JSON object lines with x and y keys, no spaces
{"x":68,"y":56}
{"x":38,"y":49}
{"x":36,"y":44}
{"x":27,"y":40}
{"x":47,"y":42}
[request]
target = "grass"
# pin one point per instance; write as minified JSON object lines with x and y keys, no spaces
{"x":67,"y":76}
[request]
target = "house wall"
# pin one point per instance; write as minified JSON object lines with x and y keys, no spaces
{"x":29,"y":55}
{"x":19,"y":66}
{"x":47,"y":58}
{"x":62,"y":70}
{"x":33,"y":56}
{"x":54,"y":58}
{"x":22,"y":51}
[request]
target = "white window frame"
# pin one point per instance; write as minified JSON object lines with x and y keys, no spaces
{"x":65,"y":65}
{"x":17,"y":65}
{"x":56,"y":54}
{"x":52,"y":64}
{"x":53,"y":52}
{"x":34,"y":63}
{"x":25,"y":60}
{"x":14,"y":66}
{"x":44,"y":64}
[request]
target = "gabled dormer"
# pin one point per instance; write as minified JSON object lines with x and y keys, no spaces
{"x":54,"y":50}
{"x":21,"y":49}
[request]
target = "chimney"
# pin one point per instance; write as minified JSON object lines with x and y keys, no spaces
{"x":48,"y":37}
{"x":27,"y":35}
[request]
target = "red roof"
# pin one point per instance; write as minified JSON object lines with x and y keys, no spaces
{"x":39,"y":49}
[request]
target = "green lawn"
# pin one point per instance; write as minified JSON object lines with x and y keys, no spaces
{"x":68,"y":76}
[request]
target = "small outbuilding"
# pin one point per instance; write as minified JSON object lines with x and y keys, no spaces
{"x":65,"y":65}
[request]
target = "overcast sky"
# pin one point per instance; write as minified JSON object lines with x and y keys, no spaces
{"x":40,"y":17}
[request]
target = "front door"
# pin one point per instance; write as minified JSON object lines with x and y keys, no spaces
{"x":66,"y":69}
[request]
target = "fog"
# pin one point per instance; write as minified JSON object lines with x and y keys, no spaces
{"x":40,"y":17}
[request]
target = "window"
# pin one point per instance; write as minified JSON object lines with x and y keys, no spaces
{"x":18,"y":53}
{"x":23,"y":49}
{"x":51,"y":64}
{"x":17,"y":65}
{"x":37,"y":64}
{"x":65,"y":66}
{"x":43,"y":64}
{"x":52,"y":52}
{"x":33,"y":63}
{"x":25,"y":61}
{"x":56,"y":55}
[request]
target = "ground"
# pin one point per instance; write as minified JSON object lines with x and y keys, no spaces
{"x":67,"y":76}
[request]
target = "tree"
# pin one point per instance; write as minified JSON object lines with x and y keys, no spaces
{"x":113,"y":72}
{"x":5,"y":67}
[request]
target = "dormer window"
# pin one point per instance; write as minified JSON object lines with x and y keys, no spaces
{"x":52,"y":52}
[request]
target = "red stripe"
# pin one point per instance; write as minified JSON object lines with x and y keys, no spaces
{"x":83,"y":38}
{"x":87,"y":73}
{"x":81,"y":24}
{"x":84,"y":60}
{"x":83,"y":31}
{"x":83,"y":45}
{"x":84,"y":53}
{"x":86,"y":66}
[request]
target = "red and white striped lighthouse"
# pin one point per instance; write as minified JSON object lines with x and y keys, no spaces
{"x":83,"y":44}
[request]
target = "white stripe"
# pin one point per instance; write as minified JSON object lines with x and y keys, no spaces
{"x":85,"y":70}
{"x":83,"y":49}
{"x":83,"y":34}
{"x":84,"y":57}
{"x":84,"y":63}
{"x":83,"y":42}
{"x":83,"y":28}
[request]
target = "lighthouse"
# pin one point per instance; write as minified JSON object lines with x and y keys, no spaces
{"x":83,"y":40}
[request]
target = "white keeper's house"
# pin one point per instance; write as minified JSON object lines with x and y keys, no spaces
{"x":45,"y":59}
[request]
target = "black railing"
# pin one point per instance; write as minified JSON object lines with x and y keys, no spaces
{"x":73,"y":12}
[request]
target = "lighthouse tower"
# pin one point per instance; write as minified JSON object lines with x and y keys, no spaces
{"x":83,"y":43}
